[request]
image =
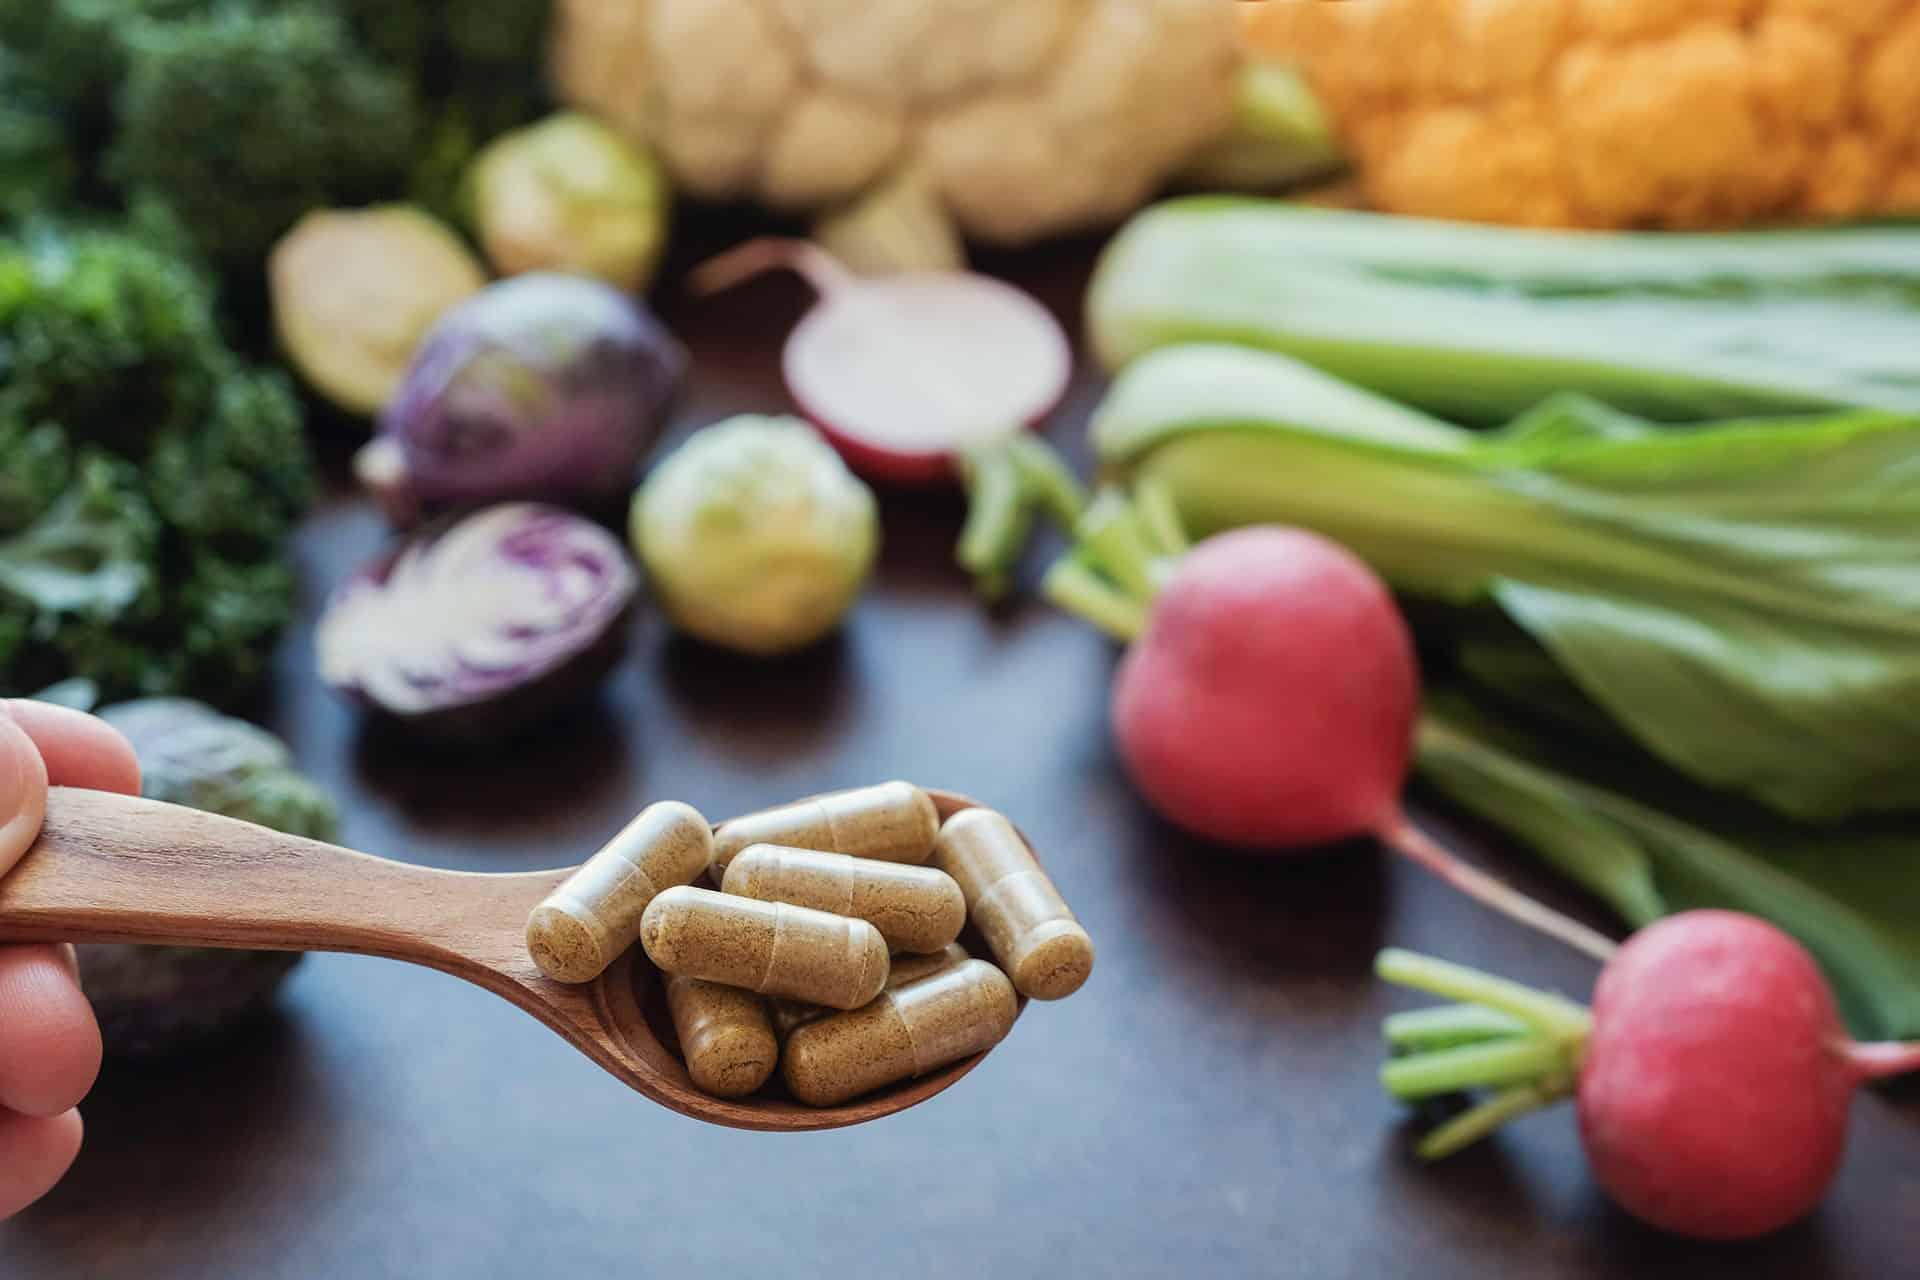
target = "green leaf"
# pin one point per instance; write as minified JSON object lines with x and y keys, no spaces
{"x":90,"y":554}
{"x":1850,"y":893}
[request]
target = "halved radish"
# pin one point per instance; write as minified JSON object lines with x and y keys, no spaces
{"x":906,"y":374}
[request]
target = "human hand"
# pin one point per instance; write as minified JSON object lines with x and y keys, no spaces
{"x":49,"y":1042}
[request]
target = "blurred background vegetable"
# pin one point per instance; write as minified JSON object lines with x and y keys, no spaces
{"x":1028,"y":117}
{"x":242,"y":115}
{"x":543,"y":386}
{"x":354,"y":291}
{"x":1482,"y":323}
{"x":474,"y":629}
{"x":149,"y":478}
{"x":241,"y":122}
{"x":569,"y":194}
{"x":1615,"y":115}
{"x":157,"y":1000}
{"x":754,"y":535}
{"x":909,"y":372}
{"x":1280,"y":137}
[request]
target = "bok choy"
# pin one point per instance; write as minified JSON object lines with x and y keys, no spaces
{"x":1481,"y":323}
{"x":1741,"y":599}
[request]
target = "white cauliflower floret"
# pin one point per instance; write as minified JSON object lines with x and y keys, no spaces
{"x":1027,"y":117}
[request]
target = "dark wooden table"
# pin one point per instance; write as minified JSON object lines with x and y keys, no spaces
{"x":1205,"y":1107}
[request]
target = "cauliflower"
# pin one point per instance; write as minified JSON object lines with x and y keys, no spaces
{"x":1617,"y":113}
{"x":1028,"y":117}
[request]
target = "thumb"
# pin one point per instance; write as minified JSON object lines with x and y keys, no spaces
{"x":23,"y":791}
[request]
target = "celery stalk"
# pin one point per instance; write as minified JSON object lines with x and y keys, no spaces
{"x":1479,"y":322}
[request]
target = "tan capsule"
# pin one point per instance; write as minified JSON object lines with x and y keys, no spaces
{"x":791,"y":1014}
{"x":584,"y":925}
{"x":726,"y":1038}
{"x":914,"y":908}
{"x":890,"y":822}
{"x":1022,"y":916}
{"x":774,"y":948}
{"x":908,"y":1031}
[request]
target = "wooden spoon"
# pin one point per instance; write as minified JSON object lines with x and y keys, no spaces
{"x":110,"y":868}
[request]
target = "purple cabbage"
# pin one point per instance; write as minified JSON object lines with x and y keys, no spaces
{"x":477,"y":628}
{"x":543,"y":387}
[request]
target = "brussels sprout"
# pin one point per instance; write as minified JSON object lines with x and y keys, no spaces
{"x":545,"y":387}
{"x":755,"y":534}
{"x":355,"y":290}
{"x":158,"y":1000}
{"x":570,"y":194}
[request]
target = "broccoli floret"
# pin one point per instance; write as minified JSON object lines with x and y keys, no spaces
{"x":149,"y":479}
{"x":37,"y":166}
{"x":244,"y":121}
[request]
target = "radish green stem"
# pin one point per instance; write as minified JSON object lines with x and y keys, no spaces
{"x":1047,"y":480}
{"x":1161,"y":517}
{"x":1550,"y":1015}
{"x":1881,"y":1060}
{"x":1501,"y":1062}
{"x":1448,"y":1026}
{"x":1477,"y":1122}
{"x":771,"y":253}
{"x":997,"y":519}
{"x":1112,"y":534}
{"x":1404,"y":837}
{"x":1074,"y":588}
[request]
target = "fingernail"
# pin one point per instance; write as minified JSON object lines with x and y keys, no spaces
{"x":16,"y":752}
{"x":22,"y":791}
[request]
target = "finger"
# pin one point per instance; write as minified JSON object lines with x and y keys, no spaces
{"x":80,"y":750}
{"x":35,"y":1152}
{"x":49,"y":1041}
{"x":23,"y":792}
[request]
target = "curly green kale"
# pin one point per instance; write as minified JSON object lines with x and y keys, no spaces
{"x":37,"y":166}
{"x":149,"y":479}
{"x":242,"y":121}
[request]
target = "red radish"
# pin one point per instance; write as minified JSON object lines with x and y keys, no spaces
{"x":904,"y":373}
{"x":1714,"y":1094}
{"x":1269,"y":701}
{"x":1712,"y":1076}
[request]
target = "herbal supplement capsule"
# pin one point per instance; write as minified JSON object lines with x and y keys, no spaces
{"x":774,"y":948}
{"x":908,"y":1031}
{"x":725,"y":1036}
{"x":891,"y":822}
{"x":912,"y":968}
{"x":914,"y":908}
{"x":584,"y":925}
{"x":791,"y":1014}
{"x":1022,"y":916}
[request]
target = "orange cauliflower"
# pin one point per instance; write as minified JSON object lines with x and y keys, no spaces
{"x":1026,"y":117}
{"x":1616,"y":113}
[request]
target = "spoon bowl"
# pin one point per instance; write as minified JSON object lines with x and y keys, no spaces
{"x":110,"y":868}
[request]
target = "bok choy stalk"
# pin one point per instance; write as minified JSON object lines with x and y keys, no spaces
{"x":1480,"y":323}
{"x":1742,"y":599}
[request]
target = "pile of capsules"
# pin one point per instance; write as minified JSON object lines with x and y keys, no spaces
{"x":830,"y":947}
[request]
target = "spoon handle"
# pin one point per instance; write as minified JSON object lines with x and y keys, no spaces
{"x":111,"y":868}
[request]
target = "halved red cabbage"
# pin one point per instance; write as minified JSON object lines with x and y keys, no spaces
{"x":478,"y":627}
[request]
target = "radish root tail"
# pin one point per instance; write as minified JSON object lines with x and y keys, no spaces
{"x":1401,"y":835}
{"x":1883,"y":1060}
{"x":770,"y":253}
